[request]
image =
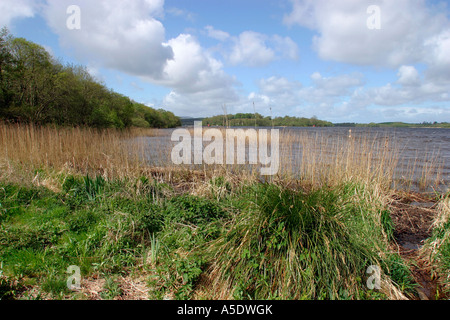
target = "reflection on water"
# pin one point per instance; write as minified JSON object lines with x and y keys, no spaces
{"x":422,"y":155}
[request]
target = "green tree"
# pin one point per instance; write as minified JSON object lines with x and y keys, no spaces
{"x":6,"y":66}
{"x":33,"y":81}
{"x":36,"y":88}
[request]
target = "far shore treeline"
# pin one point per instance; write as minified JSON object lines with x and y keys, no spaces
{"x":252,"y":119}
{"x":36,"y":88}
{"x":255,"y":119}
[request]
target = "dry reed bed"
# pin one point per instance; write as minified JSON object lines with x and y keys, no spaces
{"x":81,"y":150}
{"x":307,"y":156}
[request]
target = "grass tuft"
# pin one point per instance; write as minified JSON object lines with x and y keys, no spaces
{"x":295,"y":245}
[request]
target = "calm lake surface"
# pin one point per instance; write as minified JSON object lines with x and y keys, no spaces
{"x":420,"y":152}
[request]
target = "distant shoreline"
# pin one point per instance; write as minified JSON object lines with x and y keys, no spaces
{"x":260,"y":121}
{"x":399,"y":125}
{"x":412,"y":126}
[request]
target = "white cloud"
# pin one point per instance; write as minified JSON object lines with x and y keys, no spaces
{"x":440,"y":48}
{"x":345,"y":97}
{"x":337,"y":85}
{"x":438,"y":58}
{"x":411,"y":89}
{"x":343,"y":34}
{"x":278,"y":85}
{"x":412,"y":32}
{"x":250,"y":49}
{"x":253,"y":49}
{"x":279,"y":93}
{"x":12,"y":9}
{"x":120,"y":35}
{"x":291,"y":97}
{"x":413,"y":114}
{"x":15,"y":9}
{"x":285,"y":47}
{"x":405,"y":100}
{"x":192,"y":68}
{"x":201,"y":103}
{"x":197,"y":80}
{"x":217,"y":34}
{"x":408,"y":76}
{"x":177,"y":12}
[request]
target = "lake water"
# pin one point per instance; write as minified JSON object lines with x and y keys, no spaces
{"x":420,"y":152}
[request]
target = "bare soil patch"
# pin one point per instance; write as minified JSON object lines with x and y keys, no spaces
{"x":413,"y":216}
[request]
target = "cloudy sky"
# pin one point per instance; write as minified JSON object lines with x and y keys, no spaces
{"x":340,"y":60}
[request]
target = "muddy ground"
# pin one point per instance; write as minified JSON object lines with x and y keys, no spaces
{"x":413,"y":216}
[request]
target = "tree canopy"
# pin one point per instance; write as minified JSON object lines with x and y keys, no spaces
{"x":37,"y":88}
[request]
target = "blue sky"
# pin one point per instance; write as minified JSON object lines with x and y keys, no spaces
{"x":334,"y":59}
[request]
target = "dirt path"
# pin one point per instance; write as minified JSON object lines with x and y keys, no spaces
{"x":413,"y":216}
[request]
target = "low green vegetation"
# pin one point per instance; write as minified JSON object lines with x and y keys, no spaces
{"x":37,"y":88}
{"x":247,"y":240}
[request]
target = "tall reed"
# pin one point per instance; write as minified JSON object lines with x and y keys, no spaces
{"x":83,"y":150}
{"x":322,"y":159}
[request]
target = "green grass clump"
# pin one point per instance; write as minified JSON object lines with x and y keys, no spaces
{"x":295,"y":245}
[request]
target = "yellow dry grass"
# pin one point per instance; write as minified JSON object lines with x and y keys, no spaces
{"x":80,"y":150}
